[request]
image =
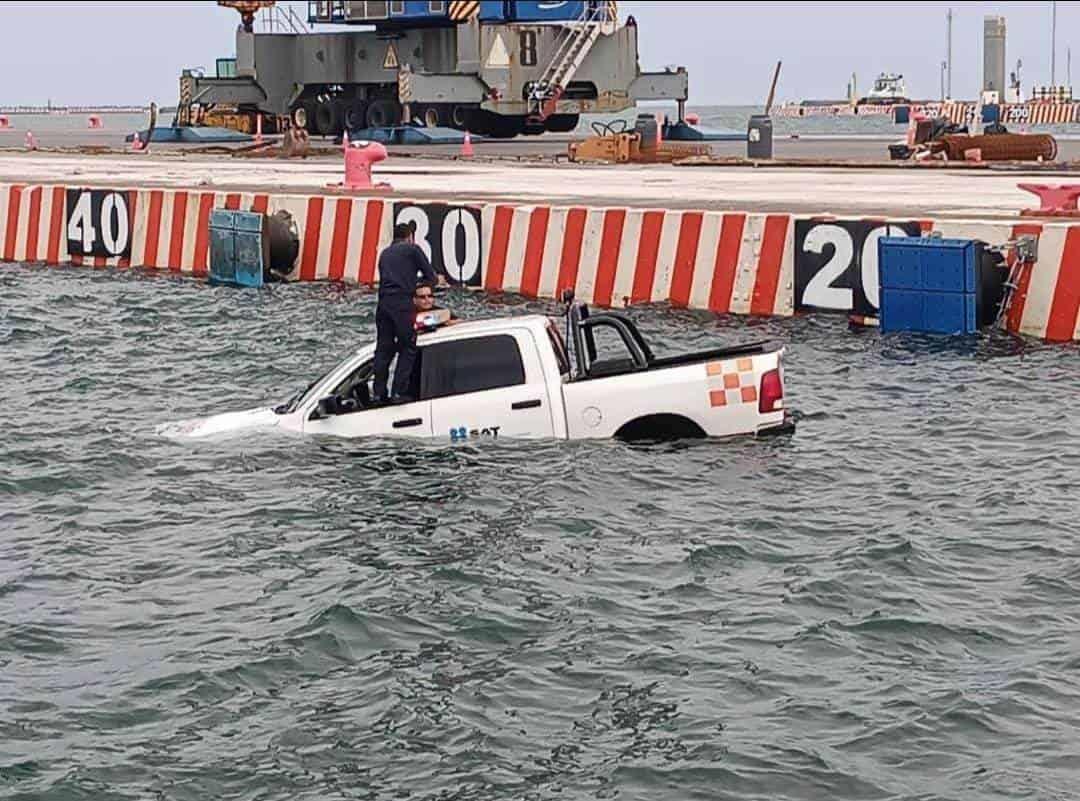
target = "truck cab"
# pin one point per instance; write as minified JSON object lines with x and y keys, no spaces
{"x":482,"y":379}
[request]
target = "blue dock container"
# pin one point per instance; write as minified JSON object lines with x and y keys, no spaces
{"x":930,"y":285}
{"x":239,"y":248}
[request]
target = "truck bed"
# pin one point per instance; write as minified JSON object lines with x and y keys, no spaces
{"x":608,"y":368}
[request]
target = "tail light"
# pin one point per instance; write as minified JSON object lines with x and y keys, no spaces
{"x":771,"y":396}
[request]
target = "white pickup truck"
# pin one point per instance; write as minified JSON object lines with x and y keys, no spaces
{"x":514,"y":378}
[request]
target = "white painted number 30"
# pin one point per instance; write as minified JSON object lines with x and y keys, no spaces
{"x":461,"y":269}
{"x":415,"y":214}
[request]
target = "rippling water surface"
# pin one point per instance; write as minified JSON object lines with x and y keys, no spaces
{"x":884,"y":605}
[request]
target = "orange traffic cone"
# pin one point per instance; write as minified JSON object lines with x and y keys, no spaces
{"x":466,"y":147}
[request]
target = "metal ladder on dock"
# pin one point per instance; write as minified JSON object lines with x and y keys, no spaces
{"x":278,"y":19}
{"x":569,"y":56}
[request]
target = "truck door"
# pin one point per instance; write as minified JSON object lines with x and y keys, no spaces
{"x":353,"y":416}
{"x":488,"y":386}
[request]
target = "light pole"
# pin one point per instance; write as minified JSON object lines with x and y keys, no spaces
{"x":1053,"y":43}
{"x":948,"y":53}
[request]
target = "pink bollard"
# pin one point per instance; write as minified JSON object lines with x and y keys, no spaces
{"x":31,"y":142}
{"x":359,"y":156}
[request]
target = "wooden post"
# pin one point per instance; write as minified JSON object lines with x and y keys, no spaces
{"x":772,"y":89}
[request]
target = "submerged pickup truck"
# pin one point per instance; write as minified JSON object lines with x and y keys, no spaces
{"x":515,"y":378}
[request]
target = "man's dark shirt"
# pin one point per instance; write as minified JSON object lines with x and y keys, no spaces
{"x":399,"y":264}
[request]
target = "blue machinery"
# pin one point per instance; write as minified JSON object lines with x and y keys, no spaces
{"x":497,"y":69}
{"x":423,"y":11}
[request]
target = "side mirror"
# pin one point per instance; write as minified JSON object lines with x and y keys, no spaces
{"x":328,"y":407}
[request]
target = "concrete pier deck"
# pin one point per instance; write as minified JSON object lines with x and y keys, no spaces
{"x":865,"y":191}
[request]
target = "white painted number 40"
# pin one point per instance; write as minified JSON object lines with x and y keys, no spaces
{"x":113,"y":222}
{"x":81,"y":226}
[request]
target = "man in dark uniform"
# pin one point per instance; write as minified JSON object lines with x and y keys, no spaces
{"x":400,"y":264}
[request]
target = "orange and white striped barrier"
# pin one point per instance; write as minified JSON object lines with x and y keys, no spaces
{"x":725,"y":262}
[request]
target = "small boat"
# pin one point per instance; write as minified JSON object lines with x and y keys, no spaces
{"x":889,"y":88}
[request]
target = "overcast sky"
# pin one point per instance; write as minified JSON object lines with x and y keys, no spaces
{"x":132,"y":52}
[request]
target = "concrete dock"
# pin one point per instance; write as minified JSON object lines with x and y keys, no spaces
{"x":865,"y":191}
{"x":740,"y":239}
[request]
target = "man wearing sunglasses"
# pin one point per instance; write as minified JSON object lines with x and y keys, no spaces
{"x":428,"y":314}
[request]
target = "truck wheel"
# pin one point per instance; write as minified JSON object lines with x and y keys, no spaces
{"x":562,"y":123}
{"x":356,"y":116}
{"x":459,"y":117}
{"x":432,"y":117}
{"x":660,"y":427}
{"x":328,"y":118}
{"x":384,"y":114}
{"x":300,"y":116}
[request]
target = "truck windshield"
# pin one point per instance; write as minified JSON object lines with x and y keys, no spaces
{"x":293,"y":403}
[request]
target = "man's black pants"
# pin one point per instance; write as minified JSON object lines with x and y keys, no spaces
{"x":395,"y":334}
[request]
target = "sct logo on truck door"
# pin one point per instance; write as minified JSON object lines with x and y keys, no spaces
{"x":836,"y":263}
{"x":98,"y":223}
{"x":449,"y":235}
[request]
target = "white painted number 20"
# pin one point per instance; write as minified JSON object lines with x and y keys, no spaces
{"x":820,"y":291}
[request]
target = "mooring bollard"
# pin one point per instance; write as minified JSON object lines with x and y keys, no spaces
{"x":359,"y":157}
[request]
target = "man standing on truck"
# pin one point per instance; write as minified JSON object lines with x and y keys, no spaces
{"x":400,"y":264}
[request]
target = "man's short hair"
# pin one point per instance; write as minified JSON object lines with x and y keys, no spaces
{"x":404,"y":230}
